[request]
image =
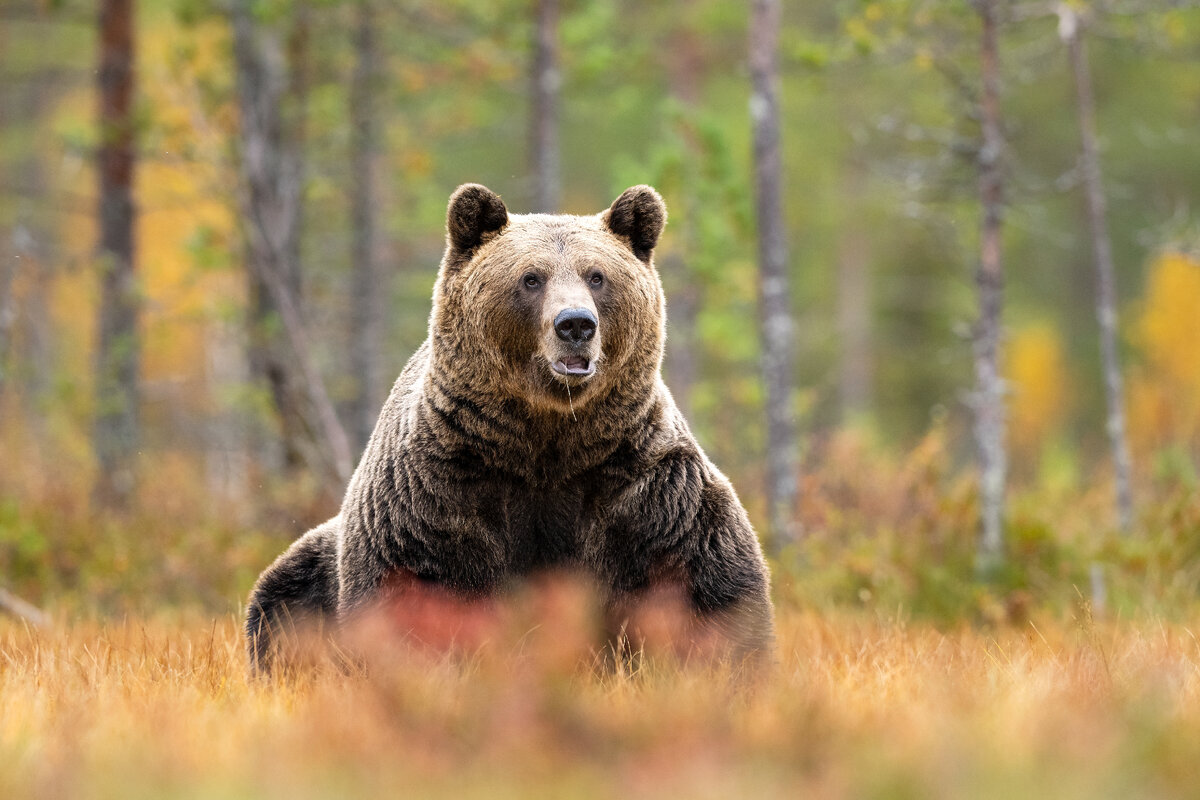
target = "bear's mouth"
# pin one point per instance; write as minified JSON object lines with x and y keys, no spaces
{"x":574,"y":366}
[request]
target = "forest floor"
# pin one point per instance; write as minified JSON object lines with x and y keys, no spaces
{"x":857,"y":706}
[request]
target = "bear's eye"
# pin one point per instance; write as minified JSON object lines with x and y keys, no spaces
{"x":597,"y":280}
{"x":531,"y":281}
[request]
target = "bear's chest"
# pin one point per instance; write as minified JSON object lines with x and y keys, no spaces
{"x":549,"y":528}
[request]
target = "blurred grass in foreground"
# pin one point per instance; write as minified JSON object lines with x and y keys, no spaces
{"x":857,"y":707}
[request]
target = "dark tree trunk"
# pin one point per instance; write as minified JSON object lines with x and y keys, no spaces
{"x":988,"y":400}
{"x":778,"y":327}
{"x":272,"y":90}
{"x":545,"y":80}
{"x":118,"y":347}
{"x":367,"y":308}
{"x":1106,"y":289}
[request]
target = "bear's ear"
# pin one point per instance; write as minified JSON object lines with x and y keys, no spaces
{"x":638,"y":215}
{"x":474,"y":212}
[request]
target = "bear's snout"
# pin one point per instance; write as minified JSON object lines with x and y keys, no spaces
{"x":575,"y":326}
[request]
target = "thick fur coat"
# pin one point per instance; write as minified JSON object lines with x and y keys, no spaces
{"x":532,"y":432}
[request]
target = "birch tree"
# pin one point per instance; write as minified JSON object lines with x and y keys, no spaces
{"x":777,"y":326}
{"x":988,"y":397}
{"x":1071,"y":31}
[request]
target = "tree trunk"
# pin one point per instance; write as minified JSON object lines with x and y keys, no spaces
{"x":272,"y":207}
{"x":545,"y":80}
{"x":366,"y":319}
{"x":988,"y":400}
{"x":115,"y":435}
{"x":271,"y":96}
{"x":1106,"y":291}
{"x":777,"y":326}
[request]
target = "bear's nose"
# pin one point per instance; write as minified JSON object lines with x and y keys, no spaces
{"x":575,"y":325}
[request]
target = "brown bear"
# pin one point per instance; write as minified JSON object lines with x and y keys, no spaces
{"x":532,"y":432}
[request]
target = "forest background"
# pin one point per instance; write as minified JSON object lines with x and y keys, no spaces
{"x":969,"y":446}
{"x":381,"y":110}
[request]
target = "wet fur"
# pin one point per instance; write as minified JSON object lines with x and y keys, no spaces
{"x":483,"y":469}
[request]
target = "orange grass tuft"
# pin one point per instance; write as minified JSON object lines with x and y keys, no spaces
{"x":856,"y":707}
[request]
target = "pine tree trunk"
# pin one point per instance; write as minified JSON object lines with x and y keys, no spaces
{"x":545,"y":80}
{"x":1106,"y":291}
{"x":777,"y":325}
{"x":988,"y":400}
{"x":366,"y":320}
{"x":115,"y":435}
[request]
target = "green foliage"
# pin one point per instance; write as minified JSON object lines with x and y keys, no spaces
{"x":175,"y":550}
{"x":590,"y":49}
{"x":898,"y":538}
{"x":208,"y":249}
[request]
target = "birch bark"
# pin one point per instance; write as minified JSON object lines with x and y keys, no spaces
{"x":988,"y":400}
{"x":1070,"y":29}
{"x":777,"y":329}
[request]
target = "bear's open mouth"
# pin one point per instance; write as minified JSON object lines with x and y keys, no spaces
{"x":574,"y":366}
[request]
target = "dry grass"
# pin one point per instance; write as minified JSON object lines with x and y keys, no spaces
{"x":963,"y":697}
{"x":856,"y":707}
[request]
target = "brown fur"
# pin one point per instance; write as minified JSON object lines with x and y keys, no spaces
{"x":488,"y":466}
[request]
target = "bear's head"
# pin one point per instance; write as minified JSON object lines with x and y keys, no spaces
{"x":555,"y":310}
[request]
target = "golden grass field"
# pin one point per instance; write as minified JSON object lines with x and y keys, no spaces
{"x":857,"y":706}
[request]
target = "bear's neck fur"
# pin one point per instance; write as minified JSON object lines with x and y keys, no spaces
{"x":466,"y":416}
